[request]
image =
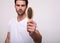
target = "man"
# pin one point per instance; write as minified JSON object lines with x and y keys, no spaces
{"x":21,"y":29}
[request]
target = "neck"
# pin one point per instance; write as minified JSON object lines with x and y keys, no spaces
{"x":19,"y":18}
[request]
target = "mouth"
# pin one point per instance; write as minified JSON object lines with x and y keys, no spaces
{"x":20,"y":12}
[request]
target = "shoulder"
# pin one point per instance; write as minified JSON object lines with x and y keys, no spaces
{"x":11,"y":21}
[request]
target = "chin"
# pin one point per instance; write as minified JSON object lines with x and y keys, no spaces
{"x":20,"y":14}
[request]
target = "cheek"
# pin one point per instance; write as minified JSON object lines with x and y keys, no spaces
{"x":23,"y":8}
{"x":17,"y":8}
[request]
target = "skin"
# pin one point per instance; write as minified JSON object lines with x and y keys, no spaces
{"x":20,"y":9}
{"x":31,"y":25}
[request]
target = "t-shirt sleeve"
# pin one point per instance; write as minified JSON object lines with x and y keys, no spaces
{"x":9,"y":23}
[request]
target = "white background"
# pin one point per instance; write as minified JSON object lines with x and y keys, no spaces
{"x":46,"y":13}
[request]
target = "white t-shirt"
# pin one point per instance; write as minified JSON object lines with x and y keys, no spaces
{"x":18,"y":31}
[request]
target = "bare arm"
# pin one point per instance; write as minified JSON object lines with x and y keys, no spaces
{"x":7,"y":38}
{"x":33,"y":32}
{"x":36,"y":37}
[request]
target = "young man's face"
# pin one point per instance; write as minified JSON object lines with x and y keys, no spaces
{"x":20,"y":7}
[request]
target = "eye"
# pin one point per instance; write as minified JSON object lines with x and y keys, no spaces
{"x":22,"y":5}
{"x":17,"y":5}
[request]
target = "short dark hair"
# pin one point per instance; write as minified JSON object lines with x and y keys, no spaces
{"x":23,"y":0}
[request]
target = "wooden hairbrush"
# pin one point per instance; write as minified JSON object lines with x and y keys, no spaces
{"x":30,"y":13}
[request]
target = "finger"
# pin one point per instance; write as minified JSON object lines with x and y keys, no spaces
{"x":30,"y":30}
{"x":30,"y":24}
{"x":30,"y":27}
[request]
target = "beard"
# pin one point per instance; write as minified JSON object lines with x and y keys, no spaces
{"x":21,"y":12}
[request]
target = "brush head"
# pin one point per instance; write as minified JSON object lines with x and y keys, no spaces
{"x":30,"y":13}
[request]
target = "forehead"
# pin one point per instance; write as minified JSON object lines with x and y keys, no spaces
{"x":20,"y":2}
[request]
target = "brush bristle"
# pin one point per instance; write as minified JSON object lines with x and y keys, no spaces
{"x":29,"y":12}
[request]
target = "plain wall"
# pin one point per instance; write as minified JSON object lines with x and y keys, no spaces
{"x":46,"y":13}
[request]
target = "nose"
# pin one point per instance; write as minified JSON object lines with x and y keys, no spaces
{"x":20,"y":7}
